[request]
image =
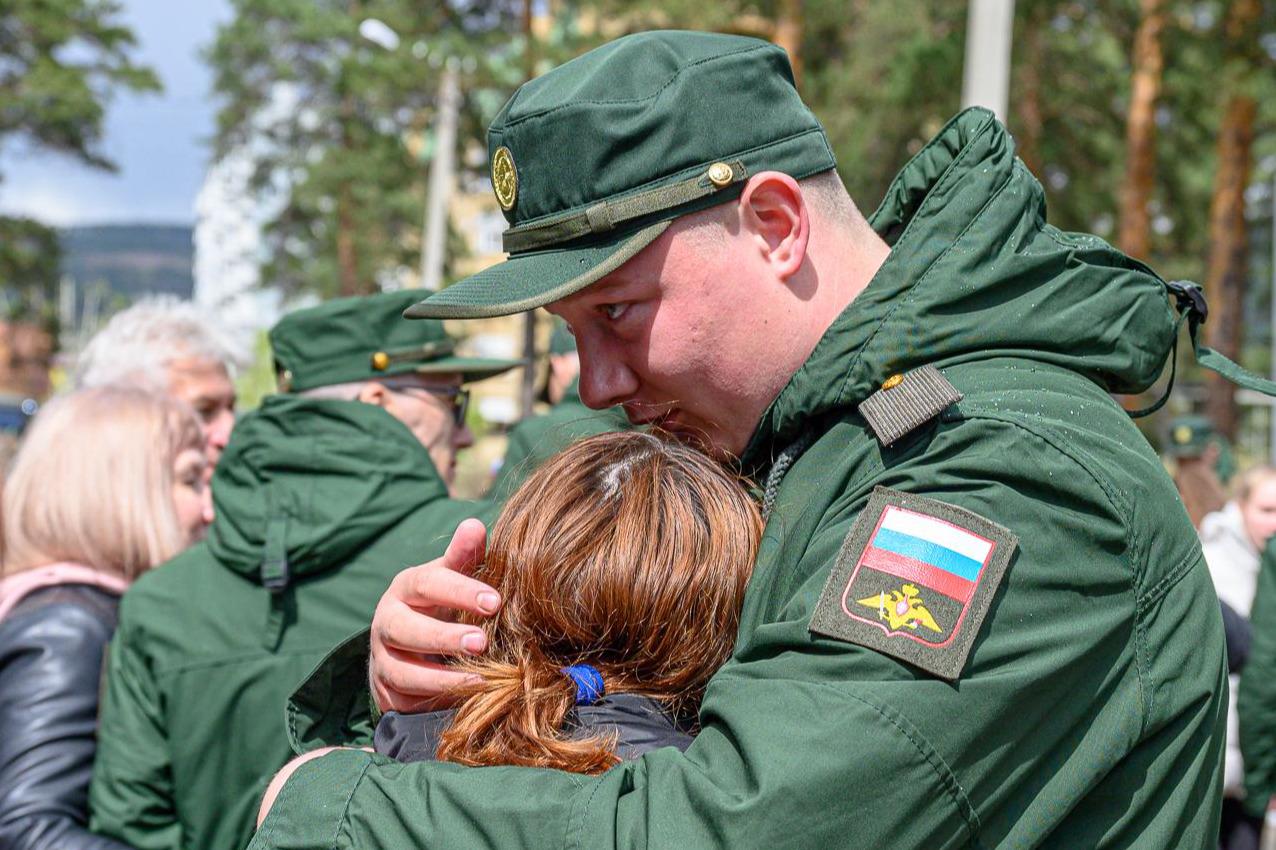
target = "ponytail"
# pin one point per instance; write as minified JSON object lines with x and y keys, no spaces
{"x":516,"y":716}
{"x":606,"y":558}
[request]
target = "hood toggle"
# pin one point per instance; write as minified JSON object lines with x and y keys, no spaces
{"x":1193,"y":310}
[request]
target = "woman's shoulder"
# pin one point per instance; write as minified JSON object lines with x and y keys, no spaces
{"x":74,"y":617}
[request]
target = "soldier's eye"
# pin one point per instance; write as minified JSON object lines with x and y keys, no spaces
{"x":614,"y":311}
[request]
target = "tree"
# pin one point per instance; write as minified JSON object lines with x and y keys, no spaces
{"x":30,"y":257}
{"x":59,"y":63}
{"x":1140,"y":130}
{"x":29,"y":262}
{"x":335,"y":123}
{"x":1228,"y":270}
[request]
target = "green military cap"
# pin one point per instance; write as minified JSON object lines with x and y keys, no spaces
{"x":1189,"y":436}
{"x":561,"y":340}
{"x":593,"y":160}
{"x":365,"y":338}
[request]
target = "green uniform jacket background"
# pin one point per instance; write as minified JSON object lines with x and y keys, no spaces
{"x":200,"y":671}
{"x":533,"y":441}
{"x":1090,"y":712}
{"x":1256,"y":702}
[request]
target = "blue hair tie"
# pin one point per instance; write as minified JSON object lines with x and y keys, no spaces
{"x":589,"y":683}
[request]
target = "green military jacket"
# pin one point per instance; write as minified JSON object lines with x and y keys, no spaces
{"x":1090,"y":710}
{"x":322,"y":500}
{"x":1256,"y":702}
{"x":533,"y":441}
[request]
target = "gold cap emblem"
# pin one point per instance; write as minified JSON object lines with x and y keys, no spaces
{"x":284,"y":380}
{"x":1183,"y":435}
{"x":380,"y":361}
{"x":504,"y":178}
{"x":892,"y":382}
{"x":720,"y":174}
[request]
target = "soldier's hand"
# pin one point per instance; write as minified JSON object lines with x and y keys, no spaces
{"x":413,"y":629}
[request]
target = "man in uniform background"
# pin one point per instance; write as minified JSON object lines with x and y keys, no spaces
{"x":979,"y":616}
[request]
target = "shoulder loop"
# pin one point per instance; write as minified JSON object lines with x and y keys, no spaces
{"x":274,"y":560}
{"x":274,"y":577}
{"x":1190,"y":301}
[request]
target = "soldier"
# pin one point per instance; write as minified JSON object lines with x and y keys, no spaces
{"x":534,"y":440}
{"x":324,"y":493}
{"x":979,"y":615}
{"x":1203,"y":464}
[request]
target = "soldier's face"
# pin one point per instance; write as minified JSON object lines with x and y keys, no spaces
{"x":691,"y":335}
{"x":427,"y":406}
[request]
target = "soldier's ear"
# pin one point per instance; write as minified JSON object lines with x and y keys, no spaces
{"x":376,"y":393}
{"x":773,"y":211}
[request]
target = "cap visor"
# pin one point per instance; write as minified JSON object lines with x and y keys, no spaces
{"x":527,"y":281}
{"x":470,"y":368}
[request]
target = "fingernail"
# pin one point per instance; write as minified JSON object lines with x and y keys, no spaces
{"x":474,"y":642}
{"x":489,"y":602}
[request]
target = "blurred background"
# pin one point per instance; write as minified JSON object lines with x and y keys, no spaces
{"x":256,"y":155}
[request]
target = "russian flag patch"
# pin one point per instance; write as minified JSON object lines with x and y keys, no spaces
{"x":914,"y":580}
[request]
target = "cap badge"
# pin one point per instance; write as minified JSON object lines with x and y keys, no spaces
{"x":504,"y":178}
{"x":721,"y":174}
{"x":380,"y":361}
{"x":1182,"y":435}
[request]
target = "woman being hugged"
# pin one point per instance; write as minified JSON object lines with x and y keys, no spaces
{"x":622,"y":563}
{"x":109,"y":482}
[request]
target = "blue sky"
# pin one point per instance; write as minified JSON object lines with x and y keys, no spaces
{"x":159,"y":141}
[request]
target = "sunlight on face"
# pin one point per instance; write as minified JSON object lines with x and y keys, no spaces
{"x":1259,"y":512}
{"x":678,"y":336}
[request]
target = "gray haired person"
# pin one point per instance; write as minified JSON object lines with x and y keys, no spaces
{"x":173,"y":347}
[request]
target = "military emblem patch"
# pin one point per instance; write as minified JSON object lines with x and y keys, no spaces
{"x":504,"y":178}
{"x":914,"y":580}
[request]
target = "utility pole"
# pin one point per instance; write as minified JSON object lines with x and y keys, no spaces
{"x":986,"y":75}
{"x":434,"y":230}
{"x":529,"y":318}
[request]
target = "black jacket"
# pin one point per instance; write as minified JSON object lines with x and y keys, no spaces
{"x":51,"y":650}
{"x":639,"y":722}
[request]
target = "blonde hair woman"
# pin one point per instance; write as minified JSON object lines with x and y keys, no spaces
{"x":108,"y":483}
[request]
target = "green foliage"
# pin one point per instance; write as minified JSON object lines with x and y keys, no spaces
{"x":59,"y":61}
{"x":29,"y":258}
{"x":335,"y":123}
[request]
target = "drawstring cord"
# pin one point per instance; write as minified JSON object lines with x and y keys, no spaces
{"x":781,"y":468}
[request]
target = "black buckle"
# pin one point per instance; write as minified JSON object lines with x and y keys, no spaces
{"x":274,"y":574}
{"x":1189,"y":298}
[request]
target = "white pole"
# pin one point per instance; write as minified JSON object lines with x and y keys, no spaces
{"x":434,"y":234}
{"x":1271,"y":408}
{"x":986,"y":76}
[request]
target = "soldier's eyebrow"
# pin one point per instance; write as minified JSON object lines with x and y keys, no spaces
{"x":617,"y":287}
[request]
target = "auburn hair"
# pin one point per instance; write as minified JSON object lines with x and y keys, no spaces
{"x":626,"y":551}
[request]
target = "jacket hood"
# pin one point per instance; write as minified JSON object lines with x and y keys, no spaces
{"x":307,"y":483}
{"x":974,"y":273}
{"x":1227,"y":526}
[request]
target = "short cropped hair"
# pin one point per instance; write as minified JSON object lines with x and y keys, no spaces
{"x":139,"y":343}
{"x":93,"y":482}
{"x":825,"y":195}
